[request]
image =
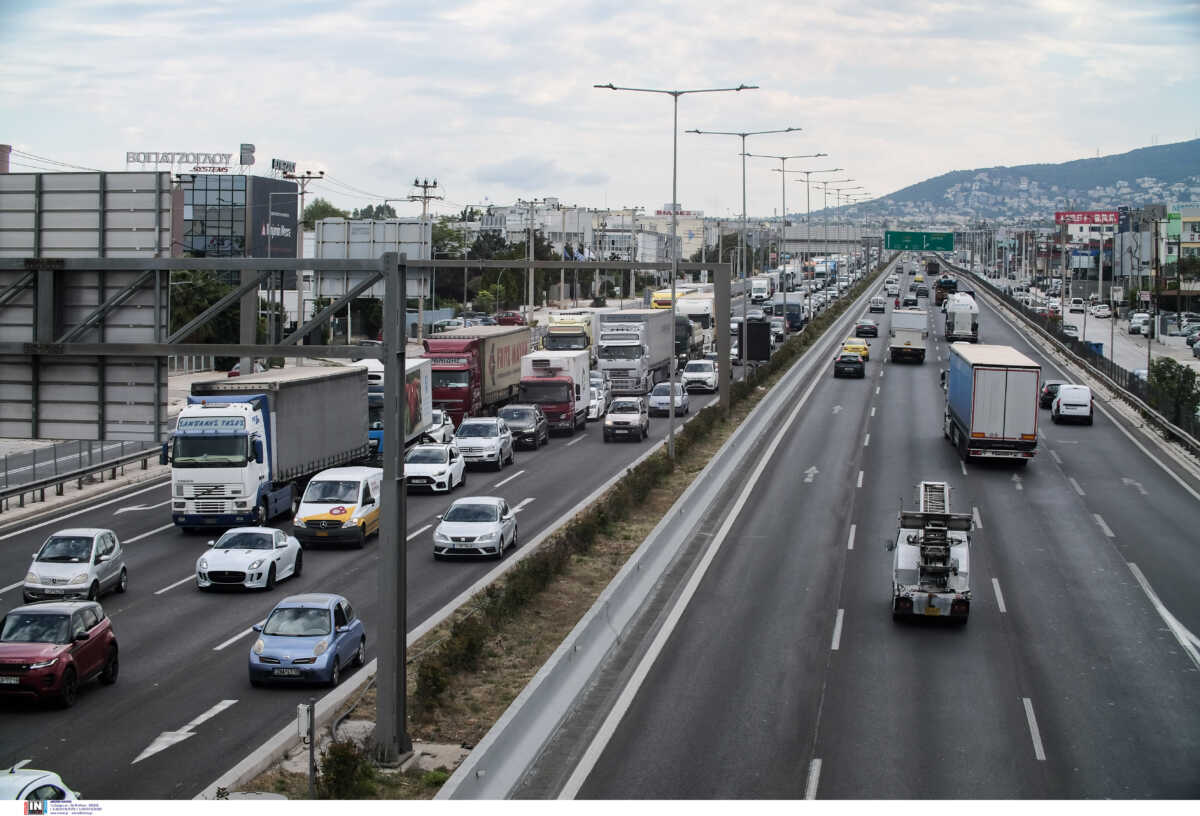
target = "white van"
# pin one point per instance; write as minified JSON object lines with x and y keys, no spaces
{"x":340,"y":505}
{"x":1077,"y":305}
{"x":878,"y":304}
{"x":1072,"y":403}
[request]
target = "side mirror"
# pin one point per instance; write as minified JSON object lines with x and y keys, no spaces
{"x":258,"y":627}
{"x":256,"y":448}
{"x":889,"y":544}
{"x":100,"y":559}
{"x":163,"y":458}
{"x":369,"y":501}
{"x":439,"y":516}
{"x":341,"y":630}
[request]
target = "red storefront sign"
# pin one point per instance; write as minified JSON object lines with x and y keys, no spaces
{"x":1091,"y":217}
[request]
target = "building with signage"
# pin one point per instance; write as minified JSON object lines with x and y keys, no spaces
{"x":235,"y":216}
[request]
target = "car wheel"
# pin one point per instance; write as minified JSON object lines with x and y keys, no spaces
{"x":335,"y":674}
{"x":123,"y":581}
{"x":607,"y":438}
{"x":270,"y":579}
{"x":515,"y":540}
{"x":360,"y":654}
{"x":93,"y":591}
{"x":70,"y":688}
{"x":1054,"y":417}
{"x":361,"y":541}
{"x":463,"y":481}
{"x":512,"y":455}
{"x":499,"y":461}
{"x":112,"y":667}
{"x":254,"y":681}
{"x":1091,"y":419}
{"x":299,"y":567}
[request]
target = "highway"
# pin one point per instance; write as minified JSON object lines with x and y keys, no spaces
{"x":786,"y":676}
{"x":184,"y":653}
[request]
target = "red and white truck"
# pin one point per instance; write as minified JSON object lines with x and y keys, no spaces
{"x":559,"y":382}
{"x":476,"y":369}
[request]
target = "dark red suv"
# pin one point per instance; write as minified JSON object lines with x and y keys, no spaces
{"x":48,"y":650}
{"x":510,"y":319}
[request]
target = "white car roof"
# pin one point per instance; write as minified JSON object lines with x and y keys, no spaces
{"x":14,"y":781}
{"x":356,"y":473}
{"x":91,"y":532}
{"x":496,"y":500}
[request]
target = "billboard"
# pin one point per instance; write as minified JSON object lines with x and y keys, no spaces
{"x":272,"y":226}
{"x":1088,"y":217}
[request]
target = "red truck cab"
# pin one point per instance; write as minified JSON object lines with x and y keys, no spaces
{"x":456,"y":376}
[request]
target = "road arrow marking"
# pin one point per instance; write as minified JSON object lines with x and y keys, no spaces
{"x":810,"y":473}
{"x":141,"y":507}
{"x":522,"y":504}
{"x":837,"y":409}
{"x":1017,"y":482}
{"x":168,"y":738}
{"x":1131,"y":483}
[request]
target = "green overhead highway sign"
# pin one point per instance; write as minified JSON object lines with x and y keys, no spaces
{"x":932,"y":241}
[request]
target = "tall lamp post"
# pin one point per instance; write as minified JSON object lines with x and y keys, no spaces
{"x":783,"y":160}
{"x":838,"y":198}
{"x":825,"y":214}
{"x":674,"y":94}
{"x":808,"y":197}
{"x":742,"y":135}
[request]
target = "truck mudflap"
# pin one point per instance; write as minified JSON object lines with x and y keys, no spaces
{"x":919,"y":604}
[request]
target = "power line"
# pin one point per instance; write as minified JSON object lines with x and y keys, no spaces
{"x":36,"y":157}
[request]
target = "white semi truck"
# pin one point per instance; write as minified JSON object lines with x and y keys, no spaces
{"x":931,"y":566}
{"x":636,"y":348}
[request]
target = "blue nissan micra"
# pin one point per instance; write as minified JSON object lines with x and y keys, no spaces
{"x":308,"y":638}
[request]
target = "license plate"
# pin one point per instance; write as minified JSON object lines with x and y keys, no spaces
{"x":286,"y":672}
{"x":8,"y":680}
{"x":464,"y":545}
{"x":321,"y":534}
{"x":932,"y":610}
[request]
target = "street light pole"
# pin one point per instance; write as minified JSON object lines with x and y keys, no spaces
{"x":838,"y":197}
{"x":674,"y":94}
{"x":742,"y":135}
{"x":808,"y":197}
{"x":825,"y":216}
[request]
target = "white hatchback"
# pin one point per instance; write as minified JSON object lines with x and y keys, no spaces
{"x":439,"y":468}
{"x":76,"y":563}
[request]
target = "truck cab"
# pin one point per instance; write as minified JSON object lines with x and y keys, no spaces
{"x":931,"y":564}
{"x":559,"y":383}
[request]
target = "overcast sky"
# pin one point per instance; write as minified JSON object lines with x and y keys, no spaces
{"x":494,"y":98}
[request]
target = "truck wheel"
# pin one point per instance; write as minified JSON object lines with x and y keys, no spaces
{"x":260,"y":513}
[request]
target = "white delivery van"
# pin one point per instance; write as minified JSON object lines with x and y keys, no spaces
{"x":340,"y":505}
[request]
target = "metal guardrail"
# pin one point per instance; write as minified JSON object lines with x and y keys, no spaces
{"x":38,"y":488}
{"x":505,"y":753}
{"x":1104,"y":373}
{"x":22,"y":467}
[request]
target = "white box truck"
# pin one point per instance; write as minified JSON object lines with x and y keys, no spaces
{"x":962,"y":318}
{"x":559,"y":382}
{"x":636,"y":348}
{"x":992,"y":402}
{"x":908,"y":333}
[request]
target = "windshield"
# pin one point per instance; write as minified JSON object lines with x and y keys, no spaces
{"x":565,"y":342}
{"x":328,"y":492}
{"x":451,"y":379}
{"x":477,"y":430}
{"x":623,"y":408}
{"x":245,"y":541}
{"x":849,"y":358}
{"x":473,"y":512}
{"x":66,"y":550}
{"x":697,"y":366}
{"x":24,"y":627}
{"x":620,"y":352}
{"x":209,"y":451}
{"x":295,"y":621}
{"x":426,"y":456}
{"x":517,"y":416}
{"x":545,"y":392}
{"x":661,"y":390}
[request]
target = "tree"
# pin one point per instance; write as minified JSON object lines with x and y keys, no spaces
{"x":381,"y":212}
{"x":318,"y":209}
{"x":447,"y":240}
{"x":191,"y":294}
{"x":1175,"y":390}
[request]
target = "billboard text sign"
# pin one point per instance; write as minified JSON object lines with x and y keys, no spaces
{"x":1089,"y":217}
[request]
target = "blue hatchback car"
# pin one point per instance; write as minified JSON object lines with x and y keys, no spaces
{"x":308,"y":638}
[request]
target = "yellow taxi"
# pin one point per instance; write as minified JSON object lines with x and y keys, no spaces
{"x":918,"y":278}
{"x":856,"y":345}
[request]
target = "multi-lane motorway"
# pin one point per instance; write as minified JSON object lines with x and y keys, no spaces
{"x":786,"y":676}
{"x":183,"y":653}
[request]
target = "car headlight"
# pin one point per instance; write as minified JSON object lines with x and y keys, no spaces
{"x":441,"y":537}
{"x":320,"y":648}
{"x":442,"y":473}
{"x":259,"y":646}
{"x":31,"y":578}
{"x":255,"y":564}
{"x":44,"y":663}
{"x":351,"y":523}
{"x":487,"y":536}
{"x":203,"y":565}
{"x":297,"y":522}
{"x":81,"y":578}
{"x":608,"y":420}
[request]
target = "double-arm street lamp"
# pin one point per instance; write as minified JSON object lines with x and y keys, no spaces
{"x":825,"y":213}
{"x":674,"y":94}
{"x":838,"y":198}
{"x":808,"y":196}
{"x":783,"y":160}
{"x":745,"y":294}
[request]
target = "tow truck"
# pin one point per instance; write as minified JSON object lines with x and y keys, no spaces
{"x":931,"y":567}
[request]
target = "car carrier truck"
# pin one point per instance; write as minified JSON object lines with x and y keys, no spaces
{"x":931,"y":566}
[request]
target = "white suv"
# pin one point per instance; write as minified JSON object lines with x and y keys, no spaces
{"x":700,"y":374}
{"x":485,"y":439}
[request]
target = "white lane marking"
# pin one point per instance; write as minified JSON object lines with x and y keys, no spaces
{"x":521,"y":506}
{"x":58,"y":520}
{"x":837,"y":409}
{"x":141,"y":507}
{"x":574,"y":441}
{"x":810,"y":474}
{"x":963,"y":465}
{"x":881,"y":373}
{"x":148,"y":533}
{"x":872,"y":410}
{"x":234,"y":639}
{"x":503,"y":482}
{"x":168,"y":738}
{"x":877,"y":390}
{"x":837,"y":631}
{"x":850,"y":540}
{"x":1103,"y":527}
{"x":860,"y":475}
{"x":1186,"y":639}
{"x":417,"y":532}
{"x":999,"y":596}
{"x":1054,"y":454}
{"x":1016,"y":480}
{"x":1038,"y":751}
{"x":617,"y":713}
{"x":978,"y":518}
{"x":11,"y":586}
{"x":867,"y":441}
{"x":177,"y":583}
{"x":814,"y":778}
{"x":1075,"y":485}
{"x":1131,"y":483}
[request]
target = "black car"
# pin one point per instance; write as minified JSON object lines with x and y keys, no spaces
{"x":528,"y":424}
{"x":849,"y":365}
{"x":909,"y":302}
{"x":1049,"y":392}
{"x":866,"y":328}
{"x":922,"y":291}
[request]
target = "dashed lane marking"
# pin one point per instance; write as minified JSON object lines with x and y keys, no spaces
{"x":1038,"y":751}
{"x":814,"y":778}
{"x":417,"y":532}
{"x":1075,"y":485}
{"x":1104,"y":528}
{"x":234,"y":639}
{"x":837,"y":631}
{"x":149,"y":533}
{"x":172,"y":586}
{"x":978,"y":519}
{"x":860,"y":475}
{"x":850,"y":540}
{"x":503,"y":482}
{"x":999,"y":596}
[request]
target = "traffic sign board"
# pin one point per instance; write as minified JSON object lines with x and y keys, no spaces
{"x":932,"y":241}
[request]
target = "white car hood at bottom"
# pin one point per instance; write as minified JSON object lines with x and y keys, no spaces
{"x":476,"y":444}
{"x":235,"y":560}
{"x":467,"y":529}
{"x":422,"y":469}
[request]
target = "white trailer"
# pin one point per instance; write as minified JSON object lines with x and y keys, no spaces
{"x":636,"y":348}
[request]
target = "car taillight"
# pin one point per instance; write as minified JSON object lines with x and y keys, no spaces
{"x":960,"y":606}
{"x":904,"y":604}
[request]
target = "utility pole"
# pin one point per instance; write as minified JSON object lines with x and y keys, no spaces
{"x":424,"y":197}
{"x":304,"y":180}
